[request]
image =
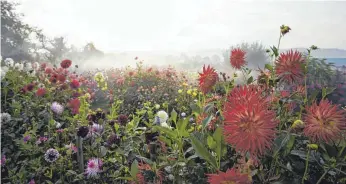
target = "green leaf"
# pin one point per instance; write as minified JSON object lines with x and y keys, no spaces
{"x":290,"y":144}
{"x":202,"y":151}
{"x":206,"y":121}
{"x":174,"y":116}
{"x":327,"y":91}
{"x":250,"y":80}
{"x":182,"y":123}
{"x":208,"y":108}
{"x":211,"y":143}
{"x":170,"y":133}
{"x":269,"y":67}
{"x":134,"y":169}
{"x":103,"y":151}
{"x":218,"y":138}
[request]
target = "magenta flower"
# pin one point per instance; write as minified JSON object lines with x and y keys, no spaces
{"x":94,"y":167}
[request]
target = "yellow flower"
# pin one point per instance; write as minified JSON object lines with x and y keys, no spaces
{"x":189,"y":92}
{"x":297,"y":123}
{"x":194,"y":94}
{"x":195,"y":89}
{"x":87,"y":95}
{"x":200,"y":93}
{"x":185,"y":84}
{"x":180,"y":91}
{"x":157,"y":106}
{"x":175,"y":100}
{"x":313,"y":146}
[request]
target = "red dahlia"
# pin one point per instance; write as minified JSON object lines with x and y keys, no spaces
{"x":237,"y":58}
{"x":48,"y":70}
{"x":207,"y":79}
{"x":66,"y":63}
{"x":230,"y":176}
{"x":74,"y":104}
{"x":61,"y":78}
{"x":40,"y":92}
{"x":74,"y":84}
{"x":324,"y":122}
{"x":249,"y":126}
{"x":289,"y":67}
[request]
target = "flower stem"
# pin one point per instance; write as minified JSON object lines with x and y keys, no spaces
{"x":319,"y":180}
{"x":306,"y":166}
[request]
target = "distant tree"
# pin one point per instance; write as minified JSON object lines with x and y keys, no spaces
{"x":215,"y":59}
{"x":15,"y":35}
{"x":54,"y":50}
{"x":255,"y":54}
{"x":91,"y":51}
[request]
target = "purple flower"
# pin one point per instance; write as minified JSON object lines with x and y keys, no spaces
{"x":32,"y":181}
{"x":26,"y":138}
{"x":57,"y":108}
{"x":94,"y":167}
{"x":3,"y":160}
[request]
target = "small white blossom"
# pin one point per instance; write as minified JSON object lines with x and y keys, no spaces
{"x":57,"y":108}
{"x":19,"y":66}
{"x":163,"y":116}
{"x":9,"y":62}
{"x":5,"y":117}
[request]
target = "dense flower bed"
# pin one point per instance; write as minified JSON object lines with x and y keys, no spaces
{"x":151,"y":125}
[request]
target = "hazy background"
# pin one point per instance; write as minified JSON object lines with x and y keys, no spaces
{"x":137,"y":25}
{"x":186,"y":33}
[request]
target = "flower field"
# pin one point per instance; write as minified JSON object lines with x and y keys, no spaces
{"x":150,"y":125}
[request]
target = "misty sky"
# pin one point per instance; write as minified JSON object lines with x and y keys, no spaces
{"x":115,"y":25}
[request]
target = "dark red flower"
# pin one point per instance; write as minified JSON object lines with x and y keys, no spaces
{"x":231,"y":176}
{"x":284,"y":93}
{"x":43,"y":66}
{"x":66,"y":63}
{"x":48,"y":70}
{"x":207,"y":79}
{"x":61,"y":78}
{"x":249,"y":126}
{"x":74,"y":84}
{"x":74,"y":105}
{"x":53,"y":78}
{"x":324,"y":122}
{"x":237,"y":58}
{"x":40,"y":92}
{"x":289,"y":67}
{"x":30,"y":87}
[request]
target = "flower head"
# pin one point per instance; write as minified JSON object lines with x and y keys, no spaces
{"x":74,"y":84}
{"x":122,"y":119}
{"x":237,"y":58}
{"x":249,"y":125}
{"x":40,"y":92}
{"x":9,"y":62}
{"x":32,"y":181}
{"x":3,"y":160}
{"x":66,"y":63}
{"x":207,"y":79}
{"x":51,"y":155}
{"x":74,"y":105}
{"x":231,"y":176}
{"x":83,"y":131}
{"x":289,"y":67}
{"x":94,"y":167}
{"x":324,"y":122}
{"x":57,"y":108}
{"x":162,"y":116}
{"x":5,"y":117}
{"x":26,"y":138}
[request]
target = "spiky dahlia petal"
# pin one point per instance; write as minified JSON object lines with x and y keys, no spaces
{"x":289,"y":67}
{"x":237,"y":58}
{"x":230,"y":176}
{"x":207,"y":79}
{"x":324,"y":122}
{"x":249,"y":126}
